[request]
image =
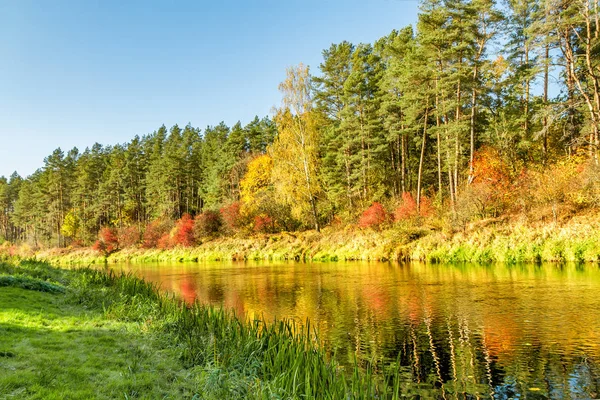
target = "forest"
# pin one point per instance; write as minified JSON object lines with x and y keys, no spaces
{"x":480,"y":110}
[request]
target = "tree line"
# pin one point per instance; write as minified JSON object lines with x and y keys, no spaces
{"x":444,"y":113}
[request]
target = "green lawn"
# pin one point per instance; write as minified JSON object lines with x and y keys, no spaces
{"x":51,"y":349}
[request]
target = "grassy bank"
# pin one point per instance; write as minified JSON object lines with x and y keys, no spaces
{"x":509,"y":241}
{"x":330,"y":245}
{"x":89,"y":334}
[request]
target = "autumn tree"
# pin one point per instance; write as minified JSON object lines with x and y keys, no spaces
{"x":295,"y":150}
{"x":256,"y":184}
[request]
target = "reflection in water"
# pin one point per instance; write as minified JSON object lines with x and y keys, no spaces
{"x":469,"y":330}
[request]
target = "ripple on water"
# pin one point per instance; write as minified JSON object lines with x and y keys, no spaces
{"x":486,"y":332}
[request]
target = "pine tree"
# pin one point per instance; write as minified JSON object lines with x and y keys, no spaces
{"x":394,"y":50}
{"x":330,"y":101}
{"x":86,"y":198}
{"x":362,"y":126}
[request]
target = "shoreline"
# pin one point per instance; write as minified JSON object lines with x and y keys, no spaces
{"x":58,"y":325}
{"x":493,"y":241}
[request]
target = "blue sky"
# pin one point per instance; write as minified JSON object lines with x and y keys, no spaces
{"x":73,"y":73}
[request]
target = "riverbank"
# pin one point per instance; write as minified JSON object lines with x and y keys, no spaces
{"x":487,"y":241}
{"x":87,"y":333}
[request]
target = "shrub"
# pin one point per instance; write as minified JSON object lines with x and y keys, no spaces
{"x":408,"y":207}
{"x":184,"y":231}
{"x":426,"y":208}
{"x":164,"y":242}
{"x":373,"y":216}
{"x":491,"y":186}
{"x":207,"y":224}
{"x":231,"y":216}
{"x":128,"y":236}
{"x":263,"y":223}
{"x":154,"y":232}
{"x":107,"y":242}
{"x":76,"y":244}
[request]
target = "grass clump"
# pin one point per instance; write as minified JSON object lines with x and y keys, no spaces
{"x":115,"y":336}
{"x":30,"y":284}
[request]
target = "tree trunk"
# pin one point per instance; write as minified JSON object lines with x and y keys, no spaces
{"x":420,"y":174}
{"x":472,"y":136}
{"x":437,"y":134}
{"x":545,"y":100}
{"x":313,"y":206}
{"x":403,"y":162}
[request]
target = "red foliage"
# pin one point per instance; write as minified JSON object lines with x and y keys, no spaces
{"x":231,"y":215}
{"x":426,"y":207}
{"x":184,"y":231}
{"x":408,"y":208}
{"x":263,"y":223}
{"x":154,"y":232}
{"x":207,"y":224}
{"x":108,"y":241}
{"x":77,"y":243}
{"x":128,"y":236}
{"x":164,"y":242}
{"x":373,"y":216}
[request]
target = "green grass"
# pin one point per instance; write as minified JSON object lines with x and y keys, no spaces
{"x":108,"y":336}
{"x":60,"y":350}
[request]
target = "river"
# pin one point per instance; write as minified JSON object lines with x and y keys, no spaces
{"x":471,"y":331}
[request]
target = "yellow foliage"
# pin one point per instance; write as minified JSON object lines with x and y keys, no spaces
{"x":295,"y":150}
{"x":256,"y":181}
{"x":71,"y":225}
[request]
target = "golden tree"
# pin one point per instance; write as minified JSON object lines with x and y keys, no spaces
{"x":295,"y":150}
{"x":256,"y":182}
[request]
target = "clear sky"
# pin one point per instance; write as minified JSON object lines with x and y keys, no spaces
{"x":73,"y":73}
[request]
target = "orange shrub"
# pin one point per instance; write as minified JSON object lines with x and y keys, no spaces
{"x":154,"y":232}
{"x":491,"y":187}
{"x":373,"y":216}
{"x":408,"y":208}
{"x":184,"y":231}
{"x":164,"y":242}
{"x":263,"y":223}
{"x":107,"y":242}
{"x":489,"y":167}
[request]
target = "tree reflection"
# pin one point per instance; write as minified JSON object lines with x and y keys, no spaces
{"x":462,"y":331}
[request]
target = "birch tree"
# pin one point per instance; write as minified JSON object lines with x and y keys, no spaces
{"x":295,"y":150}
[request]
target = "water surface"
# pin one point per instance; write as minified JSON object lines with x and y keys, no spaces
{"x":466,"y":331}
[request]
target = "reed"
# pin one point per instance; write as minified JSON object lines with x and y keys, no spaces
{"x":228,"y":356}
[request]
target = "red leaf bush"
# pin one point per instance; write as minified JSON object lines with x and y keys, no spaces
{"x":164,"y":242}
{"x":107,"y":242}
{"x":263,"y":223}
{"x":231,"y":215}
{"x":408,"y":208}
{"x":154,"y":232}
{"x":373,"y":216}
{"x":184,"y":231}
{"x":128,"y":236}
